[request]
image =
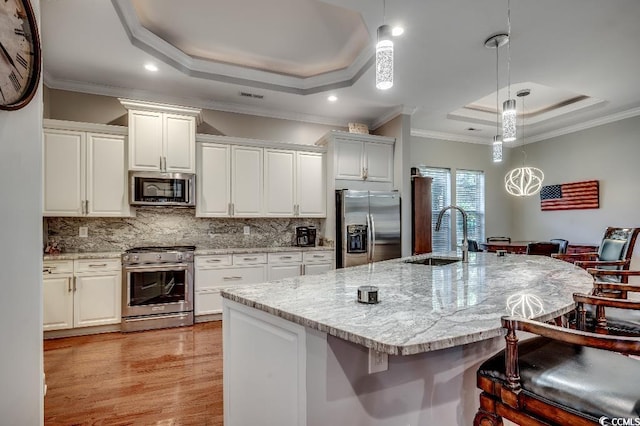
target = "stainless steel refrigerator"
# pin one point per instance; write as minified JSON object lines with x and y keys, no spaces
{"x":367,"y":226}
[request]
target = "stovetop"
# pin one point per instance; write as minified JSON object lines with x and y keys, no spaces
{"x":160,"y":249}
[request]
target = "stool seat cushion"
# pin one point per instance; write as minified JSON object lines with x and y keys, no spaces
{"x":586,"y":381}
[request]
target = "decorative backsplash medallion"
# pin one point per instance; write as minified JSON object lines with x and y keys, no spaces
{"x":171,"y":226}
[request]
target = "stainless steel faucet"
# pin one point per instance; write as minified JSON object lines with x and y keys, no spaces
{"x":465,"y":242}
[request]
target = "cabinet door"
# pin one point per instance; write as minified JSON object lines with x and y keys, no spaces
{"x":179,"y":143}
{"x":349,"y":159}
{"x":145,"y":140}
{"x":213,"y":180}
{"x":57,"y":302}
{"x":246,"y":181}
{"x":207,"y":302}
{"x":279,"y":183}
{"x":379,"y":162}
{"x":278,"y":272}
{"x":311,"y":185}
{"x":107,"y":193}
{"x":97,"y":299}
{"x":317,"y":268}
{"x":64,"y":182}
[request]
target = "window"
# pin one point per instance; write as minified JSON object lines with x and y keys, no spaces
{"x":469,"y":190}
{"x":470,"y":197}
{"x":440,"y":198}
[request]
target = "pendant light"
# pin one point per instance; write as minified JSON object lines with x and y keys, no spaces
{"x":384,"y":55}
{"x":523,"y":181}
{"x":509,"y":106}
{"x":494,"y":42}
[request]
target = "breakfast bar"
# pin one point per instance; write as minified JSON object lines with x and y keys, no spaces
{"x":303,"y":351}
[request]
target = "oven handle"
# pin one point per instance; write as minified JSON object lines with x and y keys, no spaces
{"x":158,"y":268}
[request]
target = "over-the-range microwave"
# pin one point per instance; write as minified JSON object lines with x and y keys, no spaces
{"x":162,"y":189}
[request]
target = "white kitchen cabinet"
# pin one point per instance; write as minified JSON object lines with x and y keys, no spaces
{"x":84,"y":171}
{"x":81,"y":293}
{"x":161,"y":137}
{"x":284,"y":265}
{"x":213,"y":180}
{"x":246,"y":181}
{"x":294,"y":184}
{"x":317,"y":262}
{"x":215,"y":272}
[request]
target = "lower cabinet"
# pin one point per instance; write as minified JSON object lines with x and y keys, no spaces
{"x":81,"y":293}
{"x":317,"y":262}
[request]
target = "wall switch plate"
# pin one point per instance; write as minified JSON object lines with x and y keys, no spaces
{"x":84,"y":232}
{"x":247,"y":230}
{"x":378,"y":361}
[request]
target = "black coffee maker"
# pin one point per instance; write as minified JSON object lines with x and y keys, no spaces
{"x":305,"y":236}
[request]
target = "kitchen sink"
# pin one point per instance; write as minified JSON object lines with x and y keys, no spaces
{"x":435,"y":261}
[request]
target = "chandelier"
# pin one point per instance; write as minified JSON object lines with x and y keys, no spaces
{"x":384,"y":55}
{"x":523,"y":181}
{"x":494,"y":42}
{"x":509,"y":106}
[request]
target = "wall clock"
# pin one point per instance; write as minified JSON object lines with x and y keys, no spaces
{"x":19,"y":54}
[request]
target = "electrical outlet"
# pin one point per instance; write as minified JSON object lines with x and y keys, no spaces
{"x":84,"y":232}
{"x":378,"y":361}
{"x":247,"y":230}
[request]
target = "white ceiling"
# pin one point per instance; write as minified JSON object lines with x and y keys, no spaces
{"x":297,"y":52}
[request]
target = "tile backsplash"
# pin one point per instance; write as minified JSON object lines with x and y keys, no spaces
{"x":172,"y":226}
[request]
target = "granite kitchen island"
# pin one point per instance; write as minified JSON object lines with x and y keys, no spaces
{"x":303,"y":351}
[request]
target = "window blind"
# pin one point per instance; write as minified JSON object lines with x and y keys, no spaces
{"x":470,"y":196}
{"x":440,"y":198}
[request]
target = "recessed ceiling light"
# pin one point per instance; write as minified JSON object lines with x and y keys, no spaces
{"x":397,"y":31}
{"x":151,"y":67}
{"x":332,"y":98}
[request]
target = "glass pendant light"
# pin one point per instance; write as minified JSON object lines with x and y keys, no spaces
{"x":384,"y":55}
{"x":523,"y":181}
{"x":509,"y":106}
{"x":494,"y":42}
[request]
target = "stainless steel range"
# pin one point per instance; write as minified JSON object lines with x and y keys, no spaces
{"x":157,"y":287}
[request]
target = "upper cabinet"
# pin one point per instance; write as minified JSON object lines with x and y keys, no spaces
{"x":249,"y":178}
{"x":161,"y":137}
{"x":84,"y":169}
{"x":361,"y":157}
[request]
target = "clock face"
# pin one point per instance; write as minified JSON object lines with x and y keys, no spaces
{"x":19,"y":54}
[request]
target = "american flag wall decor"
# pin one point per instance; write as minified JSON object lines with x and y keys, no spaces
{"x":570,"y":196}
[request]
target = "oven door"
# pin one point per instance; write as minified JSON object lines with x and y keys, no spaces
{"x":157,"y":289}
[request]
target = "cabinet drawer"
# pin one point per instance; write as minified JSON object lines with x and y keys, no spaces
{"x":317,"y":256}
{"x":249,"y":259}
{"x":210,"y":261}
{"x":57,"y":267}
{"x":98,"y":265}
{"x":228,"y":277}
{"x":285,"y":257}
{"x":207,"y":302}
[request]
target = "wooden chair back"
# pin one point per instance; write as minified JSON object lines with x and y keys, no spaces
{"x":543,"y":248}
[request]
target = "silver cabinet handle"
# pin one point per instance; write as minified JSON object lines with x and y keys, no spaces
{"x":285,"y":257}
{"x":165,"y":163}
{"x":213,"y":260}
{"x":233,"y":209}
{"x":69,"y":285}
{"x":161,"y":163}
{"x":46,"y":270}
{"x":318,"y":256}
{"x":75,"y":287}
{"x":249,"y":258}
{"x":82,"y":207}
{"x":98,"y":265}
{"x":86,"y":206}
{"x":231,"y":278}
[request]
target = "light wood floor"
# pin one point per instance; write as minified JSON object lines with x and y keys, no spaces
{"x":161,"y":377}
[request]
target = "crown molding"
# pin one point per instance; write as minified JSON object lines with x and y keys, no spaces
{"x":431,"y":134}
{"x":149,"y":42}
{"x":391,"y":114}
{"x":633,"y":112}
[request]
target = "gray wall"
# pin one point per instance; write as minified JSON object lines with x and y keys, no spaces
{"x":608,"y":153}
{"x":21,"y":263}
{"x":83,"y":107}
{"x":459,"y":155}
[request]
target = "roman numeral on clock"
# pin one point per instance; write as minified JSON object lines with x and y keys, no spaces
{"x":14,"y":80}
{"x":21,"y":60}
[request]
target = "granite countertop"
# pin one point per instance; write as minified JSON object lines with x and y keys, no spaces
{"x":422,"y":308}
{"x":198,"y":252}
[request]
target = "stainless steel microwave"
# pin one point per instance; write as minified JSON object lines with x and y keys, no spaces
{"x":162,"y":189}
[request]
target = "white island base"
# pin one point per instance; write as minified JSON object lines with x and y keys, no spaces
{"x":280,"y":373}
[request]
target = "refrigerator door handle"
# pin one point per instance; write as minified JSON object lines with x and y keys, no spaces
{"x":373,"y":236}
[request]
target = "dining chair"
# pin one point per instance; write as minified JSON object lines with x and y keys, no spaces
{"x":543,"y":248}
{"x":564,"y":244}
{"x":562,"y":377}
{"x":614,"y":253}
{"x":498,"y":239}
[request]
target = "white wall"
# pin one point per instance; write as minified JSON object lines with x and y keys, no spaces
{"x":608,"y":153}
{"x":21,"y":264}
{"x":458,"y":155}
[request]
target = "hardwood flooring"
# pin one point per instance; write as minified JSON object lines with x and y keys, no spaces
{"x":163,"y":377}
